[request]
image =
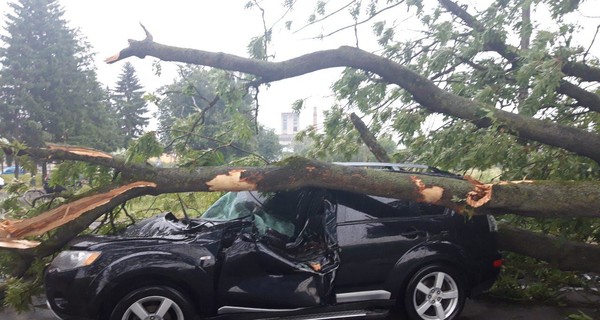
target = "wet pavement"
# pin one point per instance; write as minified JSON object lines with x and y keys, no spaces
{"x":474,"y":310}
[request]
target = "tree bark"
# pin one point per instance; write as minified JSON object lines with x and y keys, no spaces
{"x":529,"y":198}
{"x":369,"y":139}
{"x":559,"y":253}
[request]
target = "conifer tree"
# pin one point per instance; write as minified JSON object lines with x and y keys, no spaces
{"x":48,"y":86}
{"x":129,"y":103}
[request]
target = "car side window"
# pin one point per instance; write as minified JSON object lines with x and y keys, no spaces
{"x":359,"y":207}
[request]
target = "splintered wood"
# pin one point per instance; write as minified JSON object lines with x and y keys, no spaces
{"x":431,"y":194}
{"x":12,"y":231}
{"x":481,"y":195}
{"x":80,"y":151}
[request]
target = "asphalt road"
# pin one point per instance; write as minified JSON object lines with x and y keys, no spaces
{"x":474,"y":310}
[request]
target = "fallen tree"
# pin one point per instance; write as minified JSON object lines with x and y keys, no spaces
{"x":531,"y":198}
{"x":545,"y":199}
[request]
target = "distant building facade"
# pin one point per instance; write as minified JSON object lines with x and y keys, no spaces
{"x":290,"y":125}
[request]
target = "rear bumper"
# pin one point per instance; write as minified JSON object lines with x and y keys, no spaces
{"x":489,"y":271}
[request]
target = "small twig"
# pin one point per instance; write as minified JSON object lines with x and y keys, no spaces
{"x":591,"y":44}
{"x":127,"y":213}
{"x":361,"y":22}
{"x":183,"y":207}
{"x":265,"y":34}
{"x":325,"y":17}
{"x":223,"y":144}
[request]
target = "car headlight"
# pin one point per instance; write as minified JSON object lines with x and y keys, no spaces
{"x":68,"y":260}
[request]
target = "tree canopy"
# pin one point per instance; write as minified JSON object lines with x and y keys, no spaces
{"x":209,"y":119}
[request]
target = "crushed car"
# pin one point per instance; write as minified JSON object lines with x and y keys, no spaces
{"x":305,"y":254}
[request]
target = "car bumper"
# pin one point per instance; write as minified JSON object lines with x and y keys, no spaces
{"x":67,"y":296}
{"x":489,"y":271}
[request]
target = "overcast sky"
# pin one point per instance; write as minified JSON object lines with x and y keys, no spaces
{"x":219,"y":25}
{"x":212,"y":25}
{"x":208,"y":25}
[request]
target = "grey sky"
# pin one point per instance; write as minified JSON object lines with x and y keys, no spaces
{"x":224,"y":25}
{"x":208,"y":25}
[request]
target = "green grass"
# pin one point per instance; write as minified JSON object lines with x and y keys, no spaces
{"x":8,"y":178}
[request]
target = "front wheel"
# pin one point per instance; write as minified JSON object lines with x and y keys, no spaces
{"x":156,"y":303}
{"x":435,"y":293}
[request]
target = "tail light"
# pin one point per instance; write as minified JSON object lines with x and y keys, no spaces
{"x":497,"y":263}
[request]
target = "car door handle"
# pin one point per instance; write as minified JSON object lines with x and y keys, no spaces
{"x":413,"y":233}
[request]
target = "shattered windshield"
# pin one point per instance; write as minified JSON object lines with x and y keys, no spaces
{"x":233,"y":205}
{"x":265,"y":209}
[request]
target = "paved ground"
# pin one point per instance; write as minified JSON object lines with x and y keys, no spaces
{"x":474,"y":310}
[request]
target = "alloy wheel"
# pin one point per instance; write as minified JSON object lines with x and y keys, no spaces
{"x":153,"y":308}
{"x":436,"y":296}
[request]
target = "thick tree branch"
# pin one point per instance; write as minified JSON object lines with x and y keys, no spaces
{"x":512,"y":54}
{"x":559,"y":253}
{"x":530,"y":198}
{"x":581,"y":71}
{"x":584,"y":98}
{"x":424,"y":91}
{"x":369,"y":139}
{"x":570,"y":68}
{"x":63,"y":214}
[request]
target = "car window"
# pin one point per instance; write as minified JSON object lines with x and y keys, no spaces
{"x":269,"y":210}
{"x":358,"y":207}
{"x":233,"y":205}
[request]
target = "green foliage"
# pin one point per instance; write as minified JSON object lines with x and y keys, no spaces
{"x":144,"y":148}
{"x":75,"y":174}
{"x":525,"y":279}
{"x":579,"y":316}
{"x":207,"y":118}
{"x":19,"y":290}
{"x":48,"y":86}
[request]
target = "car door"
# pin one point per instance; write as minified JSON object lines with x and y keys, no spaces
{"x":373,"y":234}
{"x":266,"y":269}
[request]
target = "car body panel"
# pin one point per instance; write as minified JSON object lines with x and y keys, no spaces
{"x":278,"y":253}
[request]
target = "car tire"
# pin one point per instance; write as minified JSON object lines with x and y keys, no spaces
{"x":163,"y":302}
{"x":435,"y":292}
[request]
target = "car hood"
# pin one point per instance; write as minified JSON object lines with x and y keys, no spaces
{"x":162,"y":225}
{"x":162,"y":228}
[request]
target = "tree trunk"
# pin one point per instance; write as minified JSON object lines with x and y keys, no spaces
{"x":559,"y":253}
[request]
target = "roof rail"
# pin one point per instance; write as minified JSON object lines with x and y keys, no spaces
{"x":400,"y":167}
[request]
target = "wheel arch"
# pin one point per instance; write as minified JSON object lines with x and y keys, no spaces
{"x":444,"y":253}
{"x":134,"y":282}
{"x":141,"y":270}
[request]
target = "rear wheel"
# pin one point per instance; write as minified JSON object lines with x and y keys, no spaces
{"x":153,"y":303}
{"x":435,"y":293}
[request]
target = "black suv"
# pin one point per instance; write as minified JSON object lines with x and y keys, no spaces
{"x":304,"y":254}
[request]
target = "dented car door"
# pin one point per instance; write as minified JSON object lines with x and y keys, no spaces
{"x":287,"y":258}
